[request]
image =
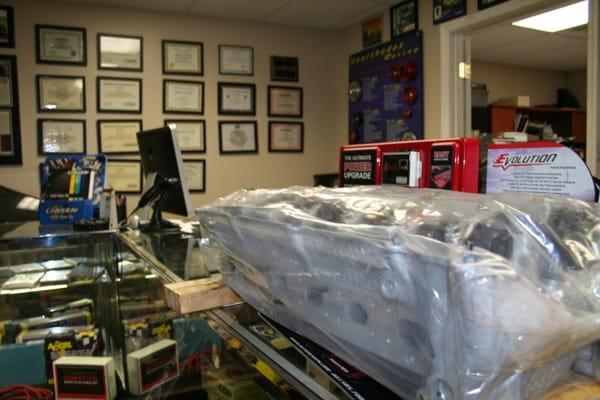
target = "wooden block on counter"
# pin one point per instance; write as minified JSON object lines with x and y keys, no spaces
{"x":199,"y":295}
{"x":584,"y":390}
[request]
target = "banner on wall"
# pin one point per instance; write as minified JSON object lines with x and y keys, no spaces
{"x":538,"y":168}
{"x":386,"y":91}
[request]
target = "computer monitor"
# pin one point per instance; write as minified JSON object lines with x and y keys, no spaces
{"x":165,"y":185}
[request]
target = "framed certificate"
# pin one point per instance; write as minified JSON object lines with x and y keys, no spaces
{"x":60,"y":45}
{"x":236,"y":60}
{"x":284,"y":69}
{"x":483,"y":4}
{"x":285,"y":101}
{"x":118,"y":136}
{"x":119,"y":95}
{"x":404,"y":18}
{"x":190,"y":134}
{"x":183,"y":97}
{"x":124,"y":176}
{"x":118,"y":52}
{"x":446,"y":10}
{"x":10,"y":133}
{"x":237,"y":137}
{"x":60,"y":93}
{"x":237,"y":98}
{"x":286,"y":137}
{"x":183,"y":58}
{"x":61,"y":136}
{"x":7,"y":27}
{"x":195,"y":173}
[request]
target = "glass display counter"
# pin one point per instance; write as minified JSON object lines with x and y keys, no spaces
{"x":102,"y":293}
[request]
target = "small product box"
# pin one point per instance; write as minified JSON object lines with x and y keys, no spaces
{"x":152,"y":366}
{"x":84,"y":378}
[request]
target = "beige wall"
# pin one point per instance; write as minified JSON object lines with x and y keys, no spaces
{"x":224,"y":173}
{"x":506,"y":81}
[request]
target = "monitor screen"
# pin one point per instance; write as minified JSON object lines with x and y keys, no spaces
{"x":161,"y":156}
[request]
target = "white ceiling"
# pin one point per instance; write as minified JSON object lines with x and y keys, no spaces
{"x":511,"y":45}
{"x":316,"y":14}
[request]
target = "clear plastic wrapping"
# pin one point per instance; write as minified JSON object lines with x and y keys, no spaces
{"x":436,"y":294}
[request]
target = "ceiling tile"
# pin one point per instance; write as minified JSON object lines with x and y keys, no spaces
{"x":152,"y":5}
{"x":244,"y":9}
{"x":323,"y":14}
{"x":509,"y":45}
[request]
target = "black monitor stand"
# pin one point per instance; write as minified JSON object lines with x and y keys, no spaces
{"x":157,"y":195}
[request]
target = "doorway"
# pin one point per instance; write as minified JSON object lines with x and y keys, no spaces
{"x":456,"y":57}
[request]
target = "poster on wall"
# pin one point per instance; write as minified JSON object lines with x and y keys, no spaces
{"x":372,"y":31}
{"x":386,"y":92}
{"x":445,"y":10}
{"x":483,"y":4}
{"x":545,"y":168}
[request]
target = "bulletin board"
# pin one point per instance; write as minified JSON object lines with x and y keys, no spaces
{"x":386,"y":91}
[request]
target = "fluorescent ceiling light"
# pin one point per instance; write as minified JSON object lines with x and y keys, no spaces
{"x":558,"y":19}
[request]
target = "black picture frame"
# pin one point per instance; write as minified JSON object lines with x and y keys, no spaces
{"x":101,"y":109}
{"x":285,"y":69}
{"x":126,"y":161}
{"x":165,"y":68}
{"x":190,"y":186}
{"x":273,"y":148}
{"x":40,"y":135}
{"x":483,"y":4}
{"x":402,"y":20}
{"x":38,"y":44}
{"x":446,"y":12}
{"x":10,"y":143}
{"x":7,"y":29}
{"x":223,"y":71}
{"x":222,"y":148}
{"x":166,"y":110}
{"x":40,"y":78}
{"x":221,"y":86}
{"x":99,"y":49}
{"x":270,"y":103}
{"x":202,"y":122}
{"x":99,"y":126}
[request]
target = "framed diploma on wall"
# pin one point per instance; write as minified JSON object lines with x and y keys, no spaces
{"x":404,"y":17}
{"x":117,"y":136}
{"x":10,"y":132}
{"x":61,"y":136}
{"x":195,"y":173}
{"x":124,"y":176}
{"x":285,"y":101}
{"x":60,"y":93}
{"x":286,"y":137}
{"x":237,"y":137}
{"x":183,"y":97}
{"x":236,"y":60}
{"x":190,"y":134}
{"x":119,"y":95}
{"x":7,"y":27}
{"x":60,"y":45}
{"x":182,"y":58}
{"x":119,"y":52}
{"x":237,"y":98}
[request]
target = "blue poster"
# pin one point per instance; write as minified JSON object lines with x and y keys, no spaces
{"x":386,"y":92}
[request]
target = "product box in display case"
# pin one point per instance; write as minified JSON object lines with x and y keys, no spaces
{"x":71,"y":187}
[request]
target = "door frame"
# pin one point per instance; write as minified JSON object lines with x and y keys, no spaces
{"x":455,"y":49}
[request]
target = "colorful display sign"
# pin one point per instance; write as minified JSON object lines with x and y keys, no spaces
{"x":538,"y":168}
{"x":386,"y":91}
